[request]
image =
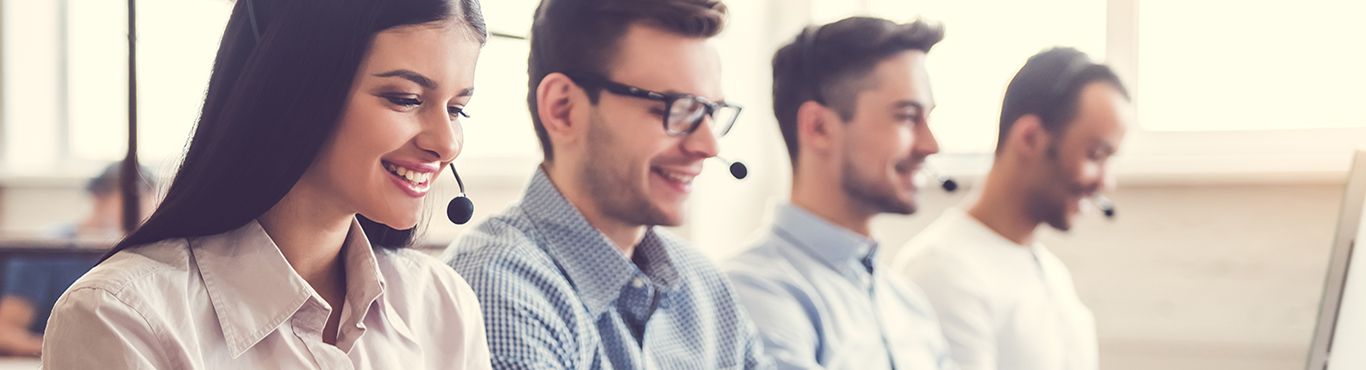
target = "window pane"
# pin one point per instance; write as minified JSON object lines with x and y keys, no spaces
{"x":1238,"y":65}
{"x":826,"y":11}
{"x":32,"y":89}
{"x":177,"y":43}
{"x":176,"y":46}
{"x":97,"y":78}
{"x":499,"y":126}
{"x":985,"y":43}
{"x":500,"y":122}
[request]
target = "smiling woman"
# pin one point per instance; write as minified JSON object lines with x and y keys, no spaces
{"x":323,"y":127}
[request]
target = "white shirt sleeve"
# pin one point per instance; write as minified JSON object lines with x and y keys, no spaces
{"x":90,"y":328}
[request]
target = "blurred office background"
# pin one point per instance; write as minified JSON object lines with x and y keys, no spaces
{"x":1228,"y":194}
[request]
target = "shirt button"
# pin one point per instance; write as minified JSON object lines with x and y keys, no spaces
{"x":638,"y":282}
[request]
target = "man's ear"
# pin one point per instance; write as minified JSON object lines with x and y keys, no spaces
{"x":556,"y":99}
{"x":1028,"y":136}
{"x":817,"y":128}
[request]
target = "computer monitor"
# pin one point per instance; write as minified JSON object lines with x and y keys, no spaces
{"x":1340,"y":337}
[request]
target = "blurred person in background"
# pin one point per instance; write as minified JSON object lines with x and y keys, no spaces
{"x":33,"y":283}
{"x":1004,"y":300}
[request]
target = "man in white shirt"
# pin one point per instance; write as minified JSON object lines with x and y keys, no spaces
{"x":1005,"y":302}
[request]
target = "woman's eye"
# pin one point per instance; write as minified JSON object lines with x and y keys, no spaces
{"x":404,"y":101}
{"x":457,"y":112}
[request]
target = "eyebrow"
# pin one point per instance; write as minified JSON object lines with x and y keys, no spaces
{"x":421,"y":80}
{"x":903,"y":104}
{"x":415,"y":77}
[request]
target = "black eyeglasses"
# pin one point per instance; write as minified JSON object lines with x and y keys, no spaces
{"x":683,"y":113}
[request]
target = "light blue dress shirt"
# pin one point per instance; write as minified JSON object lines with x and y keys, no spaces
{"x":820,"y":302}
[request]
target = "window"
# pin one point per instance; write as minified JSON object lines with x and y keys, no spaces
{"x":66,"y":79}
{"x":1211,"y":79}
{"x":499,"y":133}
{"x":985,"y":43}
{"x":1237,"y":65}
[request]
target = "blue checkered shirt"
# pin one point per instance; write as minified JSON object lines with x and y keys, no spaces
{"x":557,"y":295}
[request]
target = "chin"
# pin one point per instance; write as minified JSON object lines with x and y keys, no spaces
{"x":404,"y":222}
{"x":1063,"y":223}
{"x":668,"y":216}
{"x":901,"y":204}
{"x":900,"y":208}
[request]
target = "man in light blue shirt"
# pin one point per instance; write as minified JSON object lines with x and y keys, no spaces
{"x":852,"y":99}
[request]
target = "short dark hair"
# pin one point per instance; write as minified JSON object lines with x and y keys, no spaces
{"x":582,"y":36}
{"x":1049,"y":86}
{"x":828,"y":64}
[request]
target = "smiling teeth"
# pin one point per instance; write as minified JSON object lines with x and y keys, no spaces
{"x":686,"y":179}
{"x":413,"y":177}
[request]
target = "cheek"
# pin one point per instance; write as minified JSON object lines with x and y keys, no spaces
{"x":892,"y":145}
{"x":458,"y":134}
{"x":644,"y":144}
{"x":365,"y":136}
{"x":905,"y":140}
{"x":1089,"y":171}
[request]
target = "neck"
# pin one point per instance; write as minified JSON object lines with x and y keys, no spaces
{"x":310,"y":238}
{"x":623,"y":235}
{"x":823,"y":197}
{"x":1002,"y":209}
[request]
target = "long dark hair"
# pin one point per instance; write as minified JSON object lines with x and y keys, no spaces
{"x":278,"y":88}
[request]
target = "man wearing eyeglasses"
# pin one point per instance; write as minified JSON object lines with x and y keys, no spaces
{"x":626,"y":99}
{"x":852,"y":100}
{"x":1006,"y":302}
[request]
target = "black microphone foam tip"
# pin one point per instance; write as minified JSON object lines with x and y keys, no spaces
{"x":738,"y":170}
{"x":950,"y":185}
{"x":460,"y":210}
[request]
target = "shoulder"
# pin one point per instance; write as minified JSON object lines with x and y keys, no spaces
{"x":141,"y":271}
{"x":763,"y":267}
{"x":506,"y":268}
{"x":133,"y":294}
{"x":691,"y":264}
{"x":505,"y":238}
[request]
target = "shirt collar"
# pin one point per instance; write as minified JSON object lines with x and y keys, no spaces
{"x":253,"y":288}
{"x":970,"y":226}
{"x":593,"y":265}
{"x":832,"y":245}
